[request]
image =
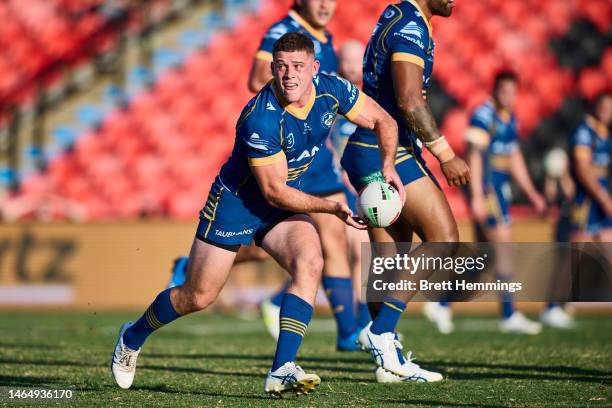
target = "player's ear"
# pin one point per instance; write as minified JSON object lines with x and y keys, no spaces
{"x":315,"y":67}
{"x":272,"y":68}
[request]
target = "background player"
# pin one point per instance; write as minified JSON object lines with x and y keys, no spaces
{"x":590,"y":162}
{"x":350,"y":58}
{"x":494,"y":158}
{"x":255,"y":198}
{"x":397,"y":68}
{"x":310,"y":17}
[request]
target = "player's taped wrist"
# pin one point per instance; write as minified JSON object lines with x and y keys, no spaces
{"x":441,"y":149}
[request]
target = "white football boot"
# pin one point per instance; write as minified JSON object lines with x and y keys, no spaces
{"x":557,"y":318}
{"x":271,"y":317}
{"x":418,"y":374}
{"x":123,"y":364}
{"x":440,"y":316}
{"x":518,"y":323}
{"x":290,"y":377}
{"x":384,"y":351}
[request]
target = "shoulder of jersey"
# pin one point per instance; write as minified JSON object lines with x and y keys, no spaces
{"x":412,"y":19}
{"x":327,"y":82}
{"x":263,"y":108}
{"x":484,"y":111}
{"x":281,"y":27}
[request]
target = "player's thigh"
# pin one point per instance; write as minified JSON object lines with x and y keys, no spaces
{"x":294,"y":244}
{"x":208,"y":266}
{"x":427,"y":211}
{"x":251,"y":253}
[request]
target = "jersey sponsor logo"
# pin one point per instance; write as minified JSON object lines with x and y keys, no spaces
{"x":352,"y":90}
{"x":389,"y":13}
{"x":412,"y":28}
{"x":413,"y":40}
{"x":257,"y":142}
{"x":327,"y":119}
{"x":306,"y":154}
{"x":229,"y":234}
{"x":277,"y":31}
{"x":270,"y":107}
{"x":290,"y":141}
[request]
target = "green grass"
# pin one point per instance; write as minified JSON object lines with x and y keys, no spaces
{"x":211,"y":360}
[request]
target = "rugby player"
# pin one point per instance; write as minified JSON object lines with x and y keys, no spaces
{"x":310,"y":17}
{"x":397,"y":67}
{"x":591,"y":214}
{"x":495,"y":158}
{"x":257,"y":196}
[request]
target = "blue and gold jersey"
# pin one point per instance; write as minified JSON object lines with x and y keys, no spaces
{"x":323,"y":45}
{"x":401,"y":34}
{"x":593,"y":136}
{"x":496,"y":133}
{"x":268,"y":132}
{"x":341,"y":132}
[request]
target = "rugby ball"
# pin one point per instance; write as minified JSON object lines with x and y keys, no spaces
{"x":379,"y":204}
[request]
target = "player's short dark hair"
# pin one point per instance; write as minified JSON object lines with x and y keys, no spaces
{"x":505,"y":75}
{"x":292,"y":42}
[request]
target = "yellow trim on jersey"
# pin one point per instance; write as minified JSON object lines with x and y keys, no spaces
{"x":504,"y":115}
{"x":357,"y":107}
{"x":478,"y":136}
{"x":318,"y":34}
{"x":597,"y":126}
{"x":264,"y":161}
{"x":406,"y":57}
{"x":381,"y":40}
{"x":415,"y":4}
{"x":501,"y":162}
{"x":392,"y":306}
{"x":300,"y":113}
{"x":264,"y":56}
{"x":403,"y":159}
{"x":246,"y":114}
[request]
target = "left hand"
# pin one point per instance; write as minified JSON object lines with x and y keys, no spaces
{"x":391,"y":177}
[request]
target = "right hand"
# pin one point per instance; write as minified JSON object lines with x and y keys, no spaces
{"x":456,"y":171}
{"x":479,"y":209}
{"x":343,"y":212}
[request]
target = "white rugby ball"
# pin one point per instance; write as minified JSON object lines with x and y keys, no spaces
{"x":555,"y":162}
{"x":379,"y":204}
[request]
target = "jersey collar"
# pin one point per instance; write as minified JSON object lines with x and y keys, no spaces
{"x":416,"y":5}
{"x":597,"y":126}
{"x":318,"y":34}
{"x":300,"y":113}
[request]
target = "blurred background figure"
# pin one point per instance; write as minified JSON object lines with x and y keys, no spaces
{"x":495,"y":158}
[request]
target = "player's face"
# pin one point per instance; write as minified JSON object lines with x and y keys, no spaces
{"x":350,"y":64}
{"x":604,"y":111}
{"x":506,"y":94}
{"x":293,"y":72}
{"x":442,"y":8}
{"x":317,"y":12}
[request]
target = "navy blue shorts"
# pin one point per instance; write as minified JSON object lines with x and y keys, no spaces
{"x":587,"y":215}
{"x":229,"y":221}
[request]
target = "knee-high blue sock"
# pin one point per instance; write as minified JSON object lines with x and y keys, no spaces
{"x":161,"y":312}
{"x":364,"y":315}
{"x":295,"y":314}
{"x":277,"y":298}
{"x":388,"y":316}
{"x":339,"y":291}
{"x":443,"y":303}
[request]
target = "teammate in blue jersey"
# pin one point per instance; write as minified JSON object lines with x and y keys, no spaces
{"x":310,"y":17}
{"x":591,"y":214}
{"x":257,"y":197}
{"x":350,"y":57}
{"x":397,"y":67}
{"x":495,"y":158}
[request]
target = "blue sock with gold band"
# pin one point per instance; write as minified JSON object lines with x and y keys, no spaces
{"x":364,"y":315}
{"x":161,"y":312}
{"x":339,"y":292}
{"x":295,"y":314}
{"x":388,"y":316}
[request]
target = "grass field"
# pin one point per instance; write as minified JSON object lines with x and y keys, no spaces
{"x":207,"y":360}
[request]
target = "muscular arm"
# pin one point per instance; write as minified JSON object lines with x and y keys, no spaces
{"x":260,"y":75}
{"x":374,"y":117}
{"x":408,"y":85}
{"x":272,"y":180}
